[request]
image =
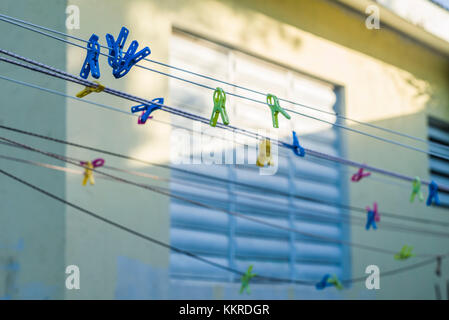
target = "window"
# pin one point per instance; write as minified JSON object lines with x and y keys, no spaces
{"x":236,"y":242}
{"x":439,"y":168}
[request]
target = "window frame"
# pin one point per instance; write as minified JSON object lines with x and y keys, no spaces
{"x":338,"y":107}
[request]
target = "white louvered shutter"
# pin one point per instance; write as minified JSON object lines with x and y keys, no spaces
{"x":439,"y":168}
{"x":237,"y":242}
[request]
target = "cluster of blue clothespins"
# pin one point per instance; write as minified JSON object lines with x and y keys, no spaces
{"x":120,"y":61}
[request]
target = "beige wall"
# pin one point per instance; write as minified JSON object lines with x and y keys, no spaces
{"x":32,"y":237}
{"x":387,"y":79}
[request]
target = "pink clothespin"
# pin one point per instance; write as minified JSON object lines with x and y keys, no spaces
{"x":96,"y":163}
{"x":356,"y":177}
{"x":376,"y":213}
{"x":139,"y":120}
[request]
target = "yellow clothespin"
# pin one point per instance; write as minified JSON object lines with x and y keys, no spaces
{"x":88,"y":174}
{"x":264,"y":156}
{"x":88,"y":90}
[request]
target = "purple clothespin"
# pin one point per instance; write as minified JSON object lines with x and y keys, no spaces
{"x":359,"y":175}
{"x":96,"y":163}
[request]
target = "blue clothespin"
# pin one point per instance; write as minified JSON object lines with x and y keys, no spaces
{"x":147,"y":109}
{"x":130,"y":59}
{"x":323,"y":283}
{"x":116,"y":47}
{"x":297,"y":149}
{"x":91,"y":62}
{"x":370,"y":220}
{"x":433,"y":194}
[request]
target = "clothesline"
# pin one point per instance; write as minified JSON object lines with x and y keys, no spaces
{"x":345,"y":218}
{"x":22,"y":23}
{"x":65,"y":76}
{"x":224,"y":180}
{"x":211,"y":207}
{"x":204,"y":260}
{"x":221,"y":137}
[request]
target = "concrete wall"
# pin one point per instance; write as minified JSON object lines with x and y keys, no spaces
{"x":32,"y":235}
{"x":387,"y":79}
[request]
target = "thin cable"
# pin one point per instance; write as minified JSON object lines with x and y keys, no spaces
{"x":119,"y":226}
{"x":45,"y":69}
{"x":65,"y":76}
{"x":195,"y":256}
{"x":261,"y":102}
{"x":223,"y":180}
{"x":200,"y":204}
{"x":379,"y":179}
{"x":156,"y":120}
{"x":403,"y":186}
{"x":212,"y":79}
{"x":101,"y":105}
{"x":347,"y":219}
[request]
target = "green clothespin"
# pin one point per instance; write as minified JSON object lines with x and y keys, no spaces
{"x":273,"y":103}
{"x":416,"y":190}
{"x":219,"y":108}
{"x":405,"y":253}
{"x":335,"y":282}
{"x":245,"y":280}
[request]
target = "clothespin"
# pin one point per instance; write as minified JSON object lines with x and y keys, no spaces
{"x":376,"y":212}
{"x":264,"y":156}
{"x":89,"y":166}
{"x":116,"y":47}
{"x":405,"y":253}
{"x":147,"y":109}
{"x":88,"y":90}
{"x":356,"y":177}
{"x":130,"y":59}
{"x":91,"y":62}
{"x":438,"y":269}
{"x":416,"y":190}
{"x":323,"y":283}
{"x":335,"y":282}
{"x":329,"y":281}
{"x":297,"y":149}
{"x":433,"y":194}
{"x":273,"y":103}
{"x":219,"y":98}
{"x":370,"y":218}
{"x":246,"y":278}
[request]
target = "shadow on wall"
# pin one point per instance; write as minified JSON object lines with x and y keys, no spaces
{"x":9,"y":271}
